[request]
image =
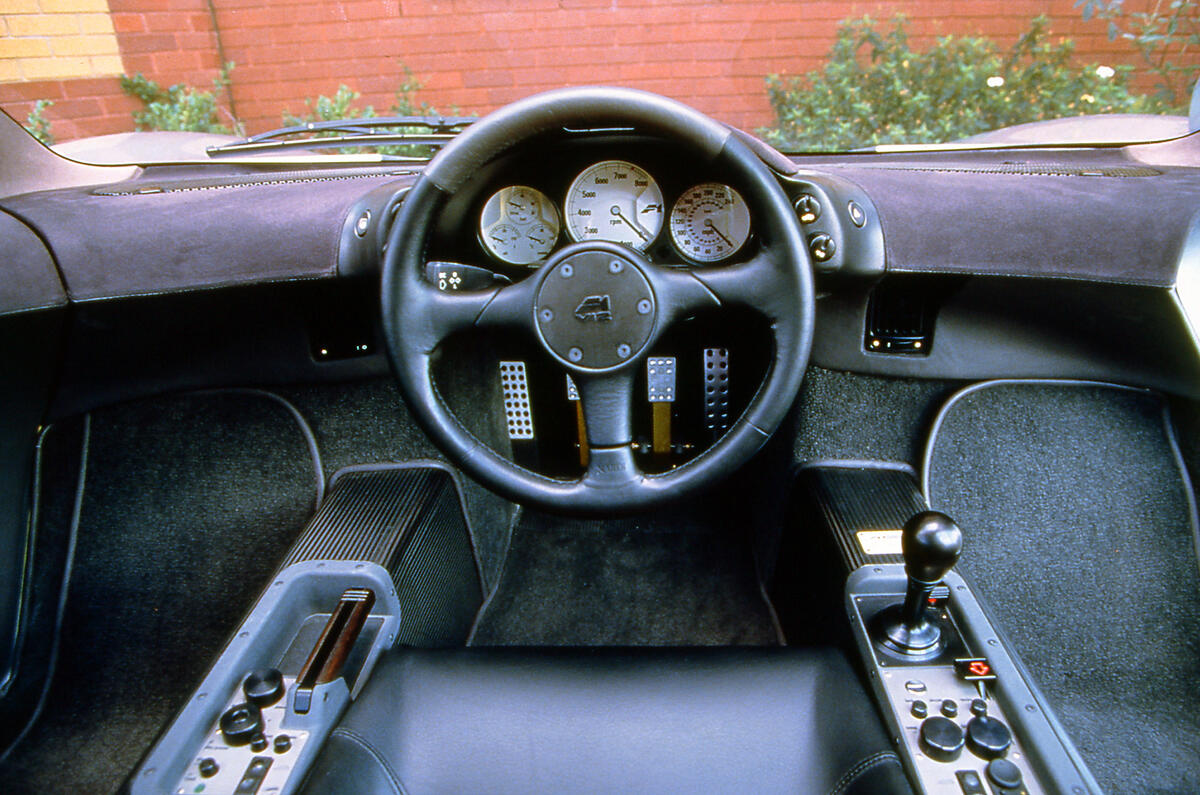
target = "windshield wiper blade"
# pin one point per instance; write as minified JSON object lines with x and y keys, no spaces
{"x":431,"y":131}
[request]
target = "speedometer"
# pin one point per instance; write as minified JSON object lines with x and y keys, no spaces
{"x":710,"y":222}
{"x":614,"y":201}
{"x":519,"y":225}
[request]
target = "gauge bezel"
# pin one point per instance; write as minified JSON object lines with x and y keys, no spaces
{"x":496,"y":255}
{"x":723,"y":258}
{"x":653,"y":183}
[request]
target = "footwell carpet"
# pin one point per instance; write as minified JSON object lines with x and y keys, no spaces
{"x":188,"y":506}
{"x":1079,"y":534}
{"x":670,"y":579}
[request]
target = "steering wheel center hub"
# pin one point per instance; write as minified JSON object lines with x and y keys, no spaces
{"x":595,"y":309}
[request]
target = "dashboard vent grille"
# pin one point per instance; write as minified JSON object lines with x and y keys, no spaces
{"x":280,"y":179}
{"x":1036,"y":170}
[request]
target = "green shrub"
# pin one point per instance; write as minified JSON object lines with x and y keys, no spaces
{"x":342,"y":106}
{"x":37,"y":123}
{"x":1162,"y":35}
{"x":179,"y":107}
{"x":877,"y":89}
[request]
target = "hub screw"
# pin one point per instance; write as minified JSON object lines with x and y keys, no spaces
{"x":566,"y":271}
{"x":616,"y":266}
{"x":574,"y":354}
{"x":547,"y":315}
{"x":644,"y":306}
{"x":623,"y":351}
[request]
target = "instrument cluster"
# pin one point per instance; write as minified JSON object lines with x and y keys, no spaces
{"x":619,"y":202}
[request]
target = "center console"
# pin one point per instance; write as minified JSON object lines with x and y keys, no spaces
{"x":965,"y":717}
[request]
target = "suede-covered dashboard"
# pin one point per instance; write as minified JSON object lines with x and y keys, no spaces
{"x":1047,"y":263}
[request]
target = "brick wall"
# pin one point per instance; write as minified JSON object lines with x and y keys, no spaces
{"x":479,"y":54}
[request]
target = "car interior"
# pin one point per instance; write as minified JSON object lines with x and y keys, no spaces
{"x":609,"y":449}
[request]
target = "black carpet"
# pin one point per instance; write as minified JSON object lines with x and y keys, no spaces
{"x":674,"y":578}
{"x":1079,"y":536}
{"x":189,"y":505}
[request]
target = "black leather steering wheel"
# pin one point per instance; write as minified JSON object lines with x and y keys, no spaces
{"x":643,"y":300}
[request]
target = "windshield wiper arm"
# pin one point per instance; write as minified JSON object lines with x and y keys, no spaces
{"x":432,"y":131}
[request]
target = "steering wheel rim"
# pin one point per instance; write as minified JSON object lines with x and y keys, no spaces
{"x":777,"y":283}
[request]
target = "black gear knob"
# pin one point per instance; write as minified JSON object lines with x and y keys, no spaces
{"x":931,"y":543}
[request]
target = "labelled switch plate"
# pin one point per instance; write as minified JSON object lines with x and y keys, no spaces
{"x":232,"y":762}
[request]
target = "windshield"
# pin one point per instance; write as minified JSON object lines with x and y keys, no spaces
{"x":805,"y":76}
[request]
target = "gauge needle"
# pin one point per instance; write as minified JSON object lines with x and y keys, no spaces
{"x":708,"y":223}
{"x":617,"y":212}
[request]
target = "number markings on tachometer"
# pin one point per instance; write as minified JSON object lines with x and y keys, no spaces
{"x":614,"y":201}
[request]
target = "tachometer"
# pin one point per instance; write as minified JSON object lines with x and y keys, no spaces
{"x":614,"y":201}
{"x":519,"y":225}
{"x":710,"y":222}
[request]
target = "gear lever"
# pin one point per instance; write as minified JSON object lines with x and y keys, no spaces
{"x":931,"y":543}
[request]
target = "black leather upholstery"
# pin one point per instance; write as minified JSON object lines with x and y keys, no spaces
{"x":665,"y":720}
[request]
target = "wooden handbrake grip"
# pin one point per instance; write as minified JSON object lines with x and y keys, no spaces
{"x":328,"y":656}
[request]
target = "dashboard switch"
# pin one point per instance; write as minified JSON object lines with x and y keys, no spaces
{"x":822,"y":247}
{"x":988,"y":737}
{"x":941,"y":739}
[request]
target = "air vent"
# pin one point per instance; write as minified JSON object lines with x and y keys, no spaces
{"x":227,"y":184}
{"x":1036,"y":170}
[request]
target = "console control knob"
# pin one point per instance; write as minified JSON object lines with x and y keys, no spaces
{"x":208,"y":767}
{"x":941,"y":739}
{"x":920,"y":709}
{"x":978,"y":707}
{"x":263,"y":686}
{"x":950,"y":708}
{"x":258,"y":743}
{"x":988,"y":737}
{"x":241,"y":723}
{"x":1003,"y":774}
{"x":283,"y":744}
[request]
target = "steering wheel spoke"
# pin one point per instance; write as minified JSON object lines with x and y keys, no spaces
{"x":680,"y":294}
{"x":448,"y":311}
{"x":753,"y":283}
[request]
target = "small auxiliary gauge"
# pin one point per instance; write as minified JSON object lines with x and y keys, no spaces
{"x":710,"y":222}
{"x":519,"y":225}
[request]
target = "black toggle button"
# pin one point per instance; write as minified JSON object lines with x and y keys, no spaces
{"x":283,"y":744}
{"x":241,"y":723}
{"x":1003,"y":774}
{"x":263,"y":686}
{"x":920,"y":710}
{"x":941,"y":739}
{"x":987,"y":737}
{"x":950,"y":708}
{"x":208,"y":767}
{"x":978,"y":707}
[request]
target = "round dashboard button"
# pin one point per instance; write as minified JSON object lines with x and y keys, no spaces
{"x":988,"y":737}
{"x":1003,"y":774}
{"x":941,"y":739}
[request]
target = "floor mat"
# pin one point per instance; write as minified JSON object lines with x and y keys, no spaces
{"x":189,"y":505}
{"x":1079,"y":533}
{"x":670,"y":579}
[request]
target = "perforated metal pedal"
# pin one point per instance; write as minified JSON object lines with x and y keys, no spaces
{"x":517,"y":411}
{"x":716,"y":389}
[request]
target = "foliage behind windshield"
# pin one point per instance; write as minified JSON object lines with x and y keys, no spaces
{"x":805,"y":75}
